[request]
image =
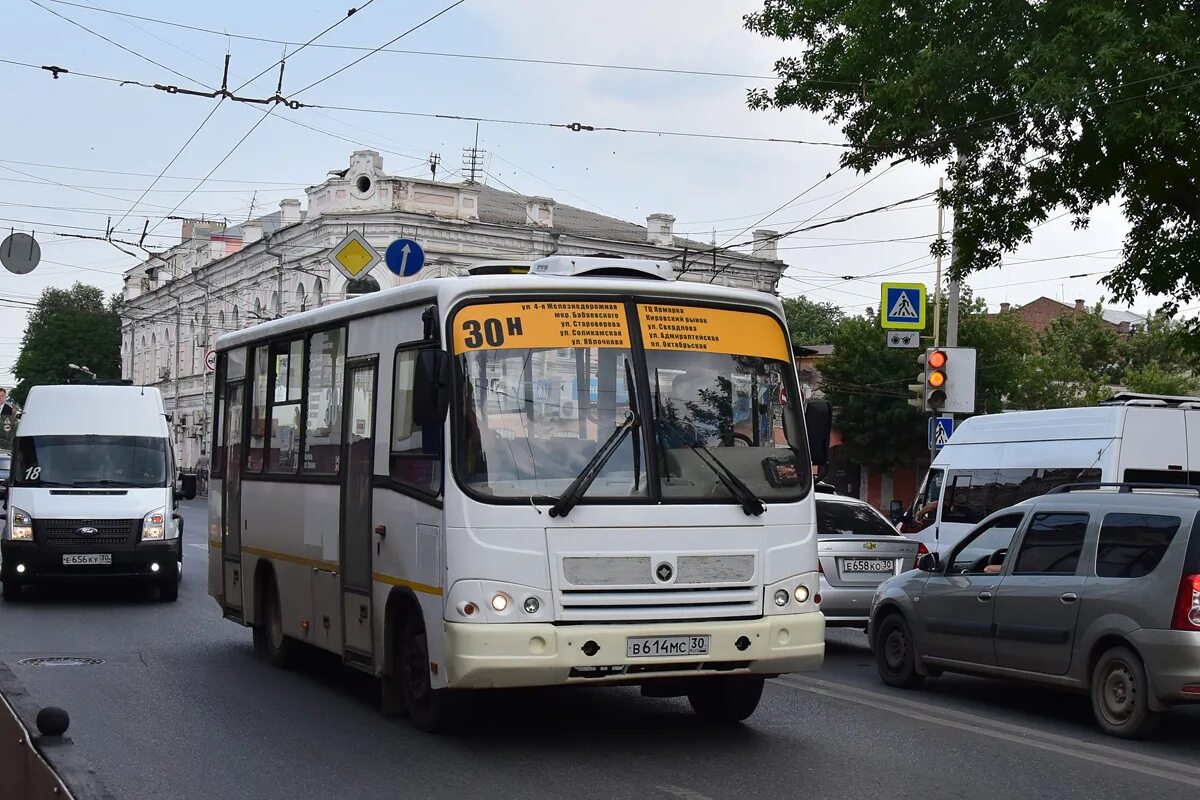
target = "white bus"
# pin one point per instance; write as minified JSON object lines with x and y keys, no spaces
{"x":588,"y":473}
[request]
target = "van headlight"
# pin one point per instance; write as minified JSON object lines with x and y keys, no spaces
{"x":154,"y":525}
{"x":20,"y":525}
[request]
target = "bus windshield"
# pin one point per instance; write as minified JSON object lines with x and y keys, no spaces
{"x":542,"y":386}
{"x":119,"y":461}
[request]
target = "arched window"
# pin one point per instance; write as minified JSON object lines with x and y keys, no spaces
{"x":236,"y":325}
{"x":363,"y":285}
{"x":275,"y":304}
{"x":258,"y":308}
{"x":317,"y":293}
{"x":221,"y":320}
{"x":301,"y":298}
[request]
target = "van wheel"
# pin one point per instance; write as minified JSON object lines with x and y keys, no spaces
{"x":1121,"y":697}
{"x":168,"y":590}
{"x":269,"y":639}
{"x":12,"y":591}
{"x":432,"y":710}
{"x":896,"y":653}
{"x":725,"y":699}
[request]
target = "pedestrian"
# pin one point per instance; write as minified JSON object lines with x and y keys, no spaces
{"x":5,"y":408}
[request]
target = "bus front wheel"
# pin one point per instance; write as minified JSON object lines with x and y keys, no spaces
{"x":269,"y":639}
{"x":725,"y":699}
{"x":431,"y":710}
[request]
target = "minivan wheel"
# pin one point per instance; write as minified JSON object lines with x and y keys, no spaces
{"x":896,"y":653}
{"x":1120,"y":695}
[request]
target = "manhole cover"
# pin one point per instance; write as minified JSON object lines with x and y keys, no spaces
{"x":60,"y":661}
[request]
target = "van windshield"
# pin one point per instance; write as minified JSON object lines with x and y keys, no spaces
{"x":83,"y":461}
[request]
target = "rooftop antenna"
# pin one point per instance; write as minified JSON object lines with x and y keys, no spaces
{"x":253,"y":200}
{"x":435,"y":160}
{"x":472,"y":161}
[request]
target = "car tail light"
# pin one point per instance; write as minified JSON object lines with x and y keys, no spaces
{"x":922,"y":550}
{"x":1187,"y":605}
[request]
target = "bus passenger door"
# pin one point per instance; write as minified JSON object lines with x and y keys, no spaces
{"x":231,"y":526}
{"x":356,"y":539}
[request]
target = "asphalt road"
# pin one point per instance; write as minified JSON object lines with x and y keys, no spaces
{"x":181,"y":708}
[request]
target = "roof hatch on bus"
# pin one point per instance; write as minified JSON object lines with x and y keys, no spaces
{"x":570,"y":266}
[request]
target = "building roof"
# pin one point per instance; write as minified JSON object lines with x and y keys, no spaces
{"x":269,"y":222}
{"x":1116,"y":316}
{"x":507,"y":208}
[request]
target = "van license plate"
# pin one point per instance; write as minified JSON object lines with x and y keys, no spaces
{"x":87,"y":559}
{"x":868,"y":565}
{"x":651,"y":646}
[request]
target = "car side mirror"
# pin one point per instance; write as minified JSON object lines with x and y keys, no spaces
{"x":818,"y":423}
{"x":930,"y":562}
{"x":896,"y":509}
{"x":4,"y":496}
{"x":187,"y":488}
{"x":432,"y":381}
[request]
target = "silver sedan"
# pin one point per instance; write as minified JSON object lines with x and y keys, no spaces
{"x":858,"y":550}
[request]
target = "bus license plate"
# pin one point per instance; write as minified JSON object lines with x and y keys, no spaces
{"x":653,"y":646}
{"x":868,"y":565}
{"x":87,"y":559}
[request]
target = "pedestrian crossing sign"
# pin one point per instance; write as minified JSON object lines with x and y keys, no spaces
{"x":940,"y":430}
{"x":902,"y":306}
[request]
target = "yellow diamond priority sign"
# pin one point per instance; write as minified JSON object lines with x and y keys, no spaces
{"x":354,"y":257}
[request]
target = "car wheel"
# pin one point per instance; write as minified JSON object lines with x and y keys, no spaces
{"x":1120,"y":695}
{"x":168,"y":590}
{"x":12,"y":591}
{"x":269,"y":639}
{"x":431,"y":710}
{"x":896,"y":653}
{"x":725,"y":699}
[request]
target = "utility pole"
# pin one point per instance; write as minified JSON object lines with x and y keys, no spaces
{"x":435,"y":160}
{"x":937,"y":281}
{"x":952,"y":305}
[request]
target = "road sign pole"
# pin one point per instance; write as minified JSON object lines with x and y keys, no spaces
{"x":937,"y":283}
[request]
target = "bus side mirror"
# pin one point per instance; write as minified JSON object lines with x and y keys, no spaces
{"x":818,"y":421}
{"x":432,"y":372}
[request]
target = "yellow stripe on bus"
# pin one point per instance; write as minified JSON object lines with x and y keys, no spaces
{"x":416,"y":587}
{"x":304,"y":562}
{"x":214,"y":543}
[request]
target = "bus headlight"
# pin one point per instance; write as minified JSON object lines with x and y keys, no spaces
{"x":500,"y":602}
{"x":20,"y":525}
{"x":154,"y":526}
{"x":781,"y":597}
{"x":802,"y":594}
{"x":532,"y":605}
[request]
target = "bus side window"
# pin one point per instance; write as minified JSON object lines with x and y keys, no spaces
{"x":415,"y":457}
{"x":256,"y":453}
{"x":323,"y":406}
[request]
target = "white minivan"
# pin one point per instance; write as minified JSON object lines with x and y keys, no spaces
{"x":997,"y":460}
{"x":92,"y":490}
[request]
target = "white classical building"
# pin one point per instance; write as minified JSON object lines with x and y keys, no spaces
{"x":220,"y":279}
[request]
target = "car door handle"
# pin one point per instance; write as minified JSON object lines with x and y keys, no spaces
{"x":985,"y":596}
{"x":1068,"y":597}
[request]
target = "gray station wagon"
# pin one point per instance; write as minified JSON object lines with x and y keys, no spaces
{"x":1093,"y":587}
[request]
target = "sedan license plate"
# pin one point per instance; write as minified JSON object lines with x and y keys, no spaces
{"x":652,"y":646}
{"x":868,"y":565}
{"x":87,"y":559}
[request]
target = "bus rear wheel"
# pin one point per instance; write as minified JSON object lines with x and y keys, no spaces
{"x":269,"y":639}
{"x":431,"y":710}
{"x":725,"y":699}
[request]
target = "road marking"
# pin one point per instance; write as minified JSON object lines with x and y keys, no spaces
{"x":1177,"y":771}
{"x":682,"y":793}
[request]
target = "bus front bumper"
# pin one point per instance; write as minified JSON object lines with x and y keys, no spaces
{"x":486,"y":656}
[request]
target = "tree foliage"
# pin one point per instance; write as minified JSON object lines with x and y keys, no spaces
{"x":810,"y":322}
{"x":1036,"y":106}
{"x":68,"y":326}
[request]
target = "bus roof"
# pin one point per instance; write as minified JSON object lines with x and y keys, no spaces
{"x":447,"y":291}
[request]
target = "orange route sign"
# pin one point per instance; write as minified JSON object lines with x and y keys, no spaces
{"x":540,"y":324}
{"x":712,"y":330}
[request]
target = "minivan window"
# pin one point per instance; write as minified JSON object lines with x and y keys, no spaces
{"x":850,"y":519}
{"x":119,"y":461}
{"x":974,"y":493}
{"x":1132,"y":545}
{"x":1052,"y":545}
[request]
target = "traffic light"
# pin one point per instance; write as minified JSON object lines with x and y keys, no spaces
{"x":935,"y":390}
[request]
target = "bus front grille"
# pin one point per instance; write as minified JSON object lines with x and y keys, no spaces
{"x":652,"y":604}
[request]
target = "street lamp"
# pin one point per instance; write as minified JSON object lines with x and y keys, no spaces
{"x":83,"y":370}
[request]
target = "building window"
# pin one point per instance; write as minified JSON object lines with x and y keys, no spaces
{"x":317,"y":293}
{"x":236,"y":324}
{"x":221,"y":320}
{"x":416,"y":451}
{"x":258,"y":309}
{"x":323,"y":407}
{"x":275,"y":304}
{"x":301,"y":297}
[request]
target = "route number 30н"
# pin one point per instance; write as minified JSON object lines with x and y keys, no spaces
{"x":491,"y":330}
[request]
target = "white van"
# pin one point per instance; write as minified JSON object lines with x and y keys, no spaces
{"x":997,"y":460}
{"x":92,"y":490}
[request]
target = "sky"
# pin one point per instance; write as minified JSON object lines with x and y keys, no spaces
{"x":76,"y":151}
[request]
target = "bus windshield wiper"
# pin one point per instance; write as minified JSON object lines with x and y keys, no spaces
{"x":751,"y":503}
{"x":591,"y":470}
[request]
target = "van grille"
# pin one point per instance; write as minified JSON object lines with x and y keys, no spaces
{"x":65,"y":532}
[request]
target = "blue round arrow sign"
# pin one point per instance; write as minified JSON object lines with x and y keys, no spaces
{"x":404,"y":257}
